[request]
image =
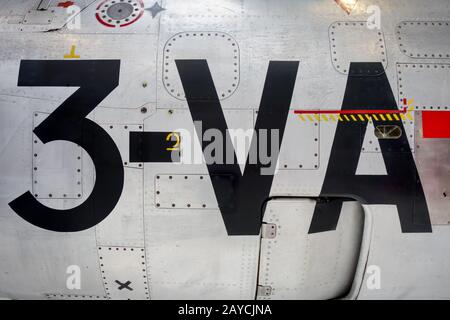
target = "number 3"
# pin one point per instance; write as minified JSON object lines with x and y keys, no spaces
{"x":96,"y":79}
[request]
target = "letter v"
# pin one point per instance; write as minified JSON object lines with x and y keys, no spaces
{"x":240,"y":196}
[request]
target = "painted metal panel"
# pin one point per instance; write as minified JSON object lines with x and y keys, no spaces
{"x":137,"y":78}
{"x":121,"y":136}
{"x":301,"y":149}
{"x":184,"y":191}
{"x":40,"y":16}
{"x":424,"y":39}
{"x":433,"y":165}
{"x":124,"y":272}
{"x":352,"y":41}
{"x":57,"y":167}
{"x":298,"y":265}
{"x":124,"y":226}
{"x":426,"y":83}
{"x":218,"y":48}
{"x":409,"y":265}
{"x":189,"y":253}
{"x":38,"y":262}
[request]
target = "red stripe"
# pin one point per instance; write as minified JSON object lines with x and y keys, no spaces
{"x":350,"y":111}
{"x":436,"y":124}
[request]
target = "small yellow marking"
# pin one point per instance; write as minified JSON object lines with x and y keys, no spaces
{"x":324,"y":117}
{"x":402,"y":116}
{"x":72,"y":54}
{"x":375,"y":117}
{"x":310,"y":118}
{"x":361,"y":117}
{"x":332,"y":117}
{"x":317,"y":117}
{"x":368,"y":117}
{"x":301,"y":117}
{"x":396,"y":117}
{"x":389,"y":117}
{"x":408,"y":115}
{"x":340,"y":118}
{"x":346,"y":118}
{"x":176,"y":146}
{"x":353,"y":117}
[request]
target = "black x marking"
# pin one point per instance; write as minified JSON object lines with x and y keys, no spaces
{"x":125,"y":285}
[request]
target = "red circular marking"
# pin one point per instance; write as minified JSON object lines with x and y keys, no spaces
{"x":103,"y":22}
{"x":98,"y":15}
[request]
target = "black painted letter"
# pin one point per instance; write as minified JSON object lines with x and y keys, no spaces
{"x":401,"y":186}
{"x":240,"y":197}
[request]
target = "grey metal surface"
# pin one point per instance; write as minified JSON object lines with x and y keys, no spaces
{"x":298,"y":265}
{"x":352,"y":41}
{"x":57,"y":167}
{"x":426,"y":83}
{"x":424,"y":39}
{"x":188,"y":254}
{"x":124,"y":272}
{"x":218,"y":48}
{"x":433,"y":160}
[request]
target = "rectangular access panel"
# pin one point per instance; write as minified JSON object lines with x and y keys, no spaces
{"x":298,"y":265}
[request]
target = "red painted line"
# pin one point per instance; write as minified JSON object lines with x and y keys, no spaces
{"x":350,"y":111}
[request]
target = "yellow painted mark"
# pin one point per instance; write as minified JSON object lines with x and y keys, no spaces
{"x":317,"y":117}
{"x":346,"y":118}
{"x":375,"y":117}
{"x":395,"y":117}
{"x":332,"y":117}
{"x":324,"y":117}
{"x":72,"y":54}
{"x":301,"y":117}
{"x":340,"y":118}
{"x":361,"y":117}
{"x":402,"y":116}
{"x":353,"y":117}
{"x":310,"y":118}
{"x":382,"y":117}
{"x":389,"y":117}
{"x":176,"y":146}
{"x":368,"y":117}
{"x":408,"y":115}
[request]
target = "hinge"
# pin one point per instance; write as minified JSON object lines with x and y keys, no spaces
{"x":268,"y":230}
{"x":264,"y":291}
